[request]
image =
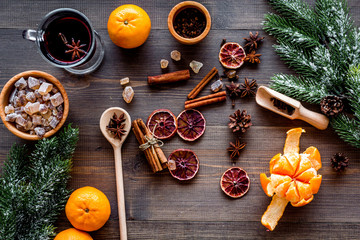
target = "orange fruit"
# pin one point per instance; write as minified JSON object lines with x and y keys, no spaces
{"x":73,"y":234}
{"x":129,"y":26}
{"x":88,"y":209}
{"x":293,"y":178}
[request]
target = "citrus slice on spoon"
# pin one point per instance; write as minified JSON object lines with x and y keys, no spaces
{"x":231,"y":55}
{"x":186,"y":164}
{"x":235,"y":182}
{"x":162,"y":123}
{"x":191,"y":124}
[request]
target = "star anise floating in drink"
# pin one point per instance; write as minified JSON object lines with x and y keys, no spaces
{"x":235,"y":148}
{"x":248,"y":88}
{"x":116,"y":125}
{"x":74,"y":48}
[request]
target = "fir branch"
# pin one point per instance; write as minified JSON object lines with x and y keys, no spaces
{"x":298,"y":12}
{"x":336,"y":25}
{"x":299,"y":87}
{"x":353,"y":87}
{"x":297,"y":59}
{"x":31,"y":201}
{"x":348,"y":129}
{"x":286,"y":31}
{"x":322,"y":60}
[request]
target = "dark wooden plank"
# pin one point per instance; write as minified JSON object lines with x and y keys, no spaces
{"x":158,"y":206}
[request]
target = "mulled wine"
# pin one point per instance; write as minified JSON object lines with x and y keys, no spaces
{"x":66,"y":40}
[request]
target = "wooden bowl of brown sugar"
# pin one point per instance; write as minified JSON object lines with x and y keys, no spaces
{"x":59,"y":101}
{"x":189,"y":22}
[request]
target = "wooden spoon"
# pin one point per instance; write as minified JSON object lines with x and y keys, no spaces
{"x":117,"y":144}
{"x":263,"y":98}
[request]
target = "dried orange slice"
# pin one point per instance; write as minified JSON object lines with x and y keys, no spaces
{"x":186,"y":164}
{"x":235,"y":182}
{"x":293,"y":178}
{"x":231,"y":55}
{"x":191,"y":124}
{"x":162,"y":123}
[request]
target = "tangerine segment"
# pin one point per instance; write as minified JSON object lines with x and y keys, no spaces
{"x":264,"y":180}
{"x":315,"y":183}
{"x":162,"y":123}
{"x":314,"y":156}
{"x":292,"y":140}
{"x":283,"y":167}
{"x":303,"y":202}
{"x":186,"y":164}
{"x":235,"y":182}
{"x":304,"y":165}
{"x":87,"y":209}
{"x":274,"y":212}
{"x":73,"y":234}
{"x":273,"y":161}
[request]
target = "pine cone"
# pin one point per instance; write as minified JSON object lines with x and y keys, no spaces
{"x":240,"y":121}
{"x":331,"y":105}
{"x":339,"y":162}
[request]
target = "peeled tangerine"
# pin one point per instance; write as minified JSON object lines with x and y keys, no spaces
{"x":293,"y":178}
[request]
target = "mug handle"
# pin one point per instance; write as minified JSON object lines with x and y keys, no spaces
{"x":29,"y":34}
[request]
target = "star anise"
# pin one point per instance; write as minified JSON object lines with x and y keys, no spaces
{"x":234,"y":91}
{"x":116,"y":125}
{"x":252,"y":57}
{"x":234,"y":149}
{"x":74,"y":48}
{"x":253,"y":41}
{"x":248,"y":89}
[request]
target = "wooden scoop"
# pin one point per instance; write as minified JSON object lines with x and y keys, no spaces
{"x":117,"y":144}
{"x":263,"y":98}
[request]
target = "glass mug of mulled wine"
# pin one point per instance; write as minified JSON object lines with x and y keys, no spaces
{"x":66,"y":39}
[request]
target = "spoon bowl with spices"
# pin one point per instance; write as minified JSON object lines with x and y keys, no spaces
{"x":189,"y":22}
{"x":115,"y":125}
{"x":289,"y":107}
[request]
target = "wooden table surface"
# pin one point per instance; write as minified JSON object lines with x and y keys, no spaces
{"x":157,"y":205}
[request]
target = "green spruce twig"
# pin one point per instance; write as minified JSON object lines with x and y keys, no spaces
{"x":33,"y":187}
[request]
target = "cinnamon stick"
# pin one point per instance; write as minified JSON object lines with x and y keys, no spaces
{"x":219,"y":94}
{"x":152,"y":158}
{"x":205,"y":102}
{"x":140,"y":137}
{"x":202,"y":83}
{"x":160,"y":154}
{"x":169,"y":77}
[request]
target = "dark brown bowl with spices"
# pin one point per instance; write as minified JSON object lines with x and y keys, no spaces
{"x":189,"y":22}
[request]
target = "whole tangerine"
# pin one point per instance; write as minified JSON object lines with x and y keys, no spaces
{"x":88,"y":209}
{"x":73,"y":234}
{"x":129,"y":26}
